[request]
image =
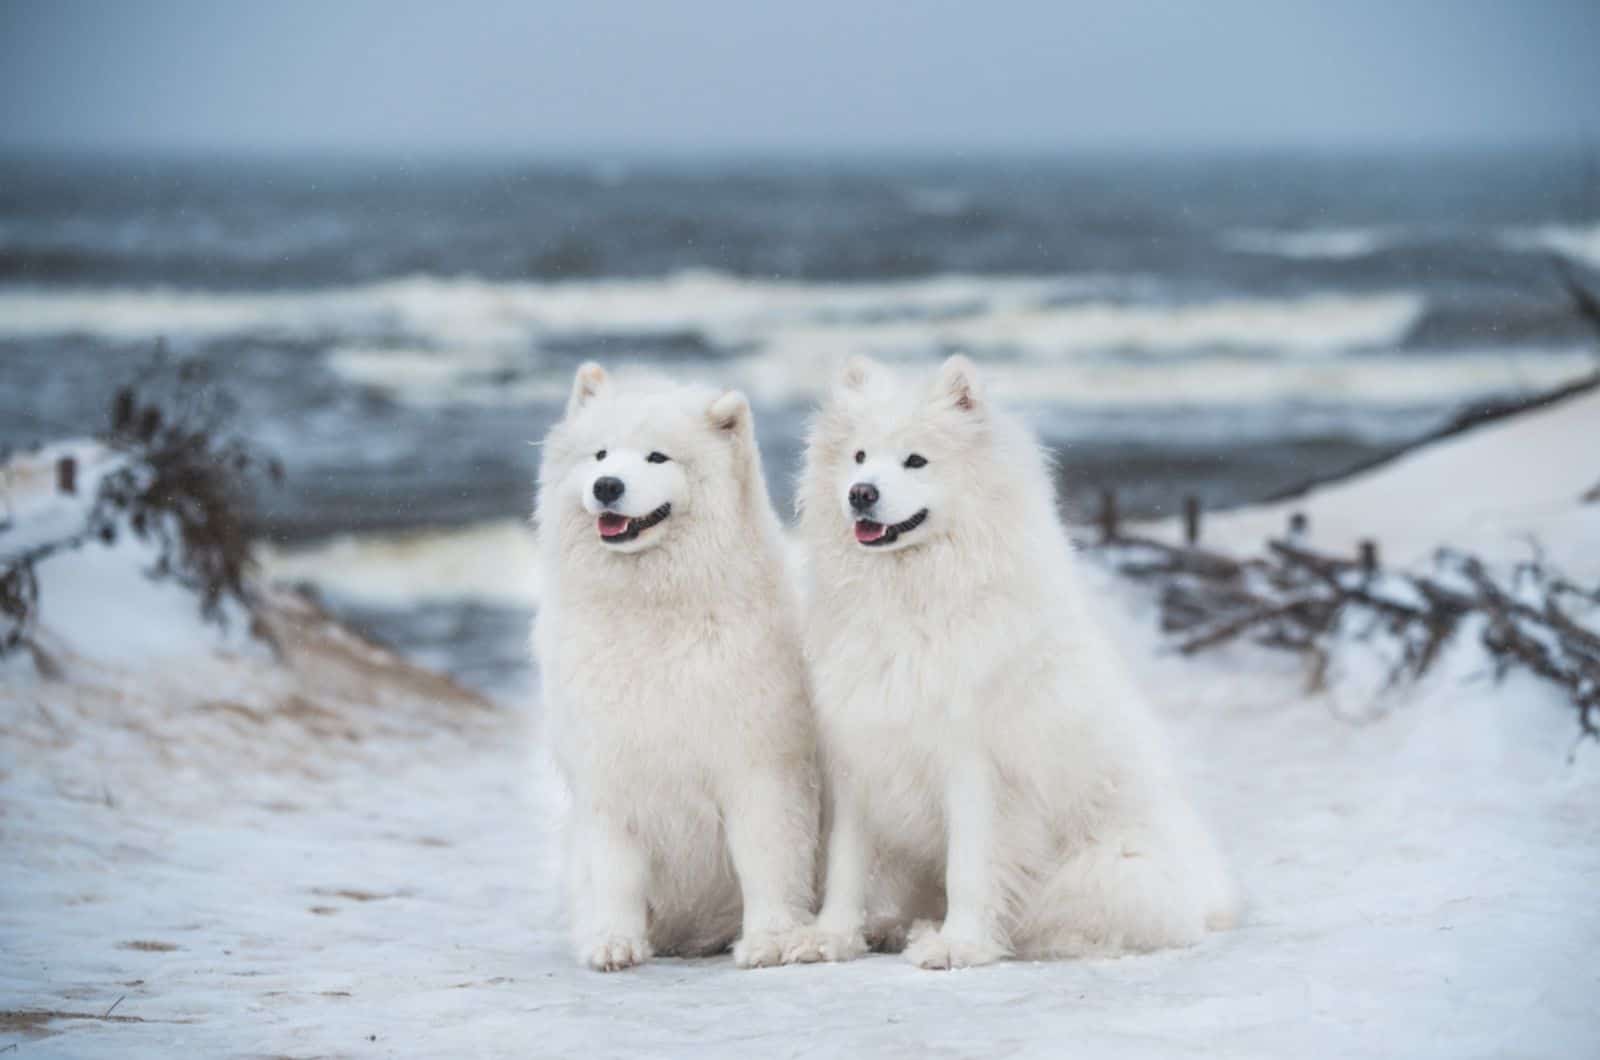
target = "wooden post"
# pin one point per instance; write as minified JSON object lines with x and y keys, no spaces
{"x":67,"y":475}
{"x":122,"y":411}
{"x":1369,"y":556}
{"x":1108,"y":516}
{"x":1191,"y":521}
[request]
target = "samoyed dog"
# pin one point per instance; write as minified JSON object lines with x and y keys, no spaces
{"x":674,"y":689}
{"x":990,"y":767}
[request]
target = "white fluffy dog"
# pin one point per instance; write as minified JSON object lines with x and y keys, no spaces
{"x":988,"y":762}
{"x":674,"y":689}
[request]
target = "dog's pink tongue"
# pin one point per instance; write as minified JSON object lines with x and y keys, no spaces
{"x":612,"y":524}
{"x":868,"y":531}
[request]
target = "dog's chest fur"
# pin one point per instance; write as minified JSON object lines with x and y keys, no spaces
{"x":687,"y":693}
{"x":681,"y":684}
{"x":891,"y":720}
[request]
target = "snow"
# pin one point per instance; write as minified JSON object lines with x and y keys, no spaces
{"x":32,"y":511}
{"x":335,"y":854}
{"x":1487,"y":490}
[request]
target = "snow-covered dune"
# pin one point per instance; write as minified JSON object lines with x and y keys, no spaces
{"x":1494,"y":489}
{"x":217,"y":846}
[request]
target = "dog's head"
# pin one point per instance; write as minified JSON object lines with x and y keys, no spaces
{"x":893,"y":467}
{"x":628,"y":467}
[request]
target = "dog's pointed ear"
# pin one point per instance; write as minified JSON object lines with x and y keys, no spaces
{"x":857,"y":370}
{"x":589,"y":381}
{"x":730,"y":416}
{"x":730,"y":412}
{"x":956,"y":386}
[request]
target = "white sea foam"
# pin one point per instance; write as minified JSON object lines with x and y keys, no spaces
{"x":1311,"y":325}
{"x":458,"y":311}
{"x":777,"y":379}
{"x":490,"y":562}
{"x":1579,"y":242}
{"x":1233,"y":380}
{"x":431,"y":340}
{"x":452,"y":312}
{"x":1332,"y":244}
{"x":1082,"y":339}
{"x":1038,"y":316}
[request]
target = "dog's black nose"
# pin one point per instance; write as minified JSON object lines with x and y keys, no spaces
{"x":608,"y":489}
{"x":863,"y":495}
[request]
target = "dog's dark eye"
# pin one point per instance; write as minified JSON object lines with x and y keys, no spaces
{"x":916,"y":460}
{"x":657,"y":458}
{"x":861,"y":456}
{"x":601,"y":455}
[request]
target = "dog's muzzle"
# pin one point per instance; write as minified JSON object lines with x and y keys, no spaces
{"x":616,"y":528}
{"x":874,"y":534}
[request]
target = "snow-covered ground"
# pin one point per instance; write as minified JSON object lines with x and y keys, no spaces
{"x":210,"y":849}
{"x":1492,"y":490}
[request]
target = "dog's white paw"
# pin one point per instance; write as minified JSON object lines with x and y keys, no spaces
{"x":613,"y":953}
{"x":814,"y":943}
{"x":937,"y":951}
{"x":760,"y":949}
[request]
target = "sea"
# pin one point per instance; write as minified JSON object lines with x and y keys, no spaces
{"x":399,"y":330}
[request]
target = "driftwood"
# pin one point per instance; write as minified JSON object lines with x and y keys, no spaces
{"x":1299,"y":600}
{"x":1296,"y":599}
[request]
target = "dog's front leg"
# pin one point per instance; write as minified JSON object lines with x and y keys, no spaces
{"x":772,"y":838}
{"x":971,"y":934}
{"x":616,"y":932}
{"x":838,"y":934}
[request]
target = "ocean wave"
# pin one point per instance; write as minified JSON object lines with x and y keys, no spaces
{"x":1577,"y":242}
{"x":1438,"y":380}
{"x":1312,"y":244}
{"x":777,"y":378}
{"x":1311,"y":325}
{"x":1045,"y":317}
{"x":490,"y":562}
{"x":455,"y":312}
{"x":811,"y":325}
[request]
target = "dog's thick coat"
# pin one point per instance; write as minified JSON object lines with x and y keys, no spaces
{"x":989,"y":762}
{"x":674,"y":691}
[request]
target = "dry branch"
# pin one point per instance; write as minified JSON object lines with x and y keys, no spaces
{"x":1296,"y":599}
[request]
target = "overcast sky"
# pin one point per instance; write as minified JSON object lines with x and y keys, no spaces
{"x":692,"y":76}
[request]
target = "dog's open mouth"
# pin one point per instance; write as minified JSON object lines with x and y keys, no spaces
{"x":874,"y":534}
{"x":616,"y":528}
